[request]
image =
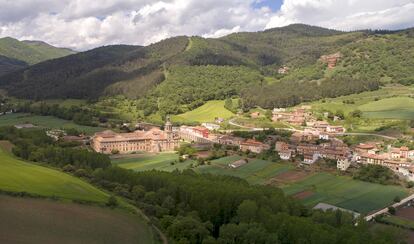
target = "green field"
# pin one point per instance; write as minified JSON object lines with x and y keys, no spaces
{"x":45,"y":121}
{"x":390,"y":108}
{"x":19,"y":176}
{"x":345,"y":192}
{"x":160,"y":161}
{"x":256,"y":171}
{"x":25,"y":220}
{"x":398,"y":221}
{"x":206,"y":113}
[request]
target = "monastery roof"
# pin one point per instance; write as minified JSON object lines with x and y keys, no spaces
{"x":110,"y":136}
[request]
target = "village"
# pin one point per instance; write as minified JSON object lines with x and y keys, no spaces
{"x":314,"y":140}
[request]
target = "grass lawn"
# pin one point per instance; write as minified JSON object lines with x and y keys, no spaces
{"x":345,"y":192}
{"x":19,"y":176}
{"x":27,"y":220}
{"x":45,"y":121}
{"x":255,"y":172}
{"x":390,"y":108}
{"x":146,"y":162}
{"x":205,"y":113}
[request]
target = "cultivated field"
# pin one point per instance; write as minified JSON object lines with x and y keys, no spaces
{"x":19,"y":176}
{"x":26,"y":220}
{"x":45,"y":121}
{"x":205,"y":113}
{"x":146,"y":161}
{"x":344,"y":192}
{"x":256,"y":171}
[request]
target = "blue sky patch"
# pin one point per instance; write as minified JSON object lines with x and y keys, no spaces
{"x":273,"y":4}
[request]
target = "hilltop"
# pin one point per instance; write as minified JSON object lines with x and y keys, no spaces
{"x":277,"y":67}
{"x":15,"y":54}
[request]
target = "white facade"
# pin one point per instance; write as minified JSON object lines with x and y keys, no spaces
{"x":343,"y":164}
{"x":211,"y":126}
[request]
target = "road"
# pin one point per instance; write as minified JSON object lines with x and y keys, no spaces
{"x":385,"y":210}
{"x":231,"y":122}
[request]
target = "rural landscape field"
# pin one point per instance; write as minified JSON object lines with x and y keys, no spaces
{"x":207,"y":122}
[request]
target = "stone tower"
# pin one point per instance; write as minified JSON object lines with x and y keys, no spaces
{"x":168,"y":128}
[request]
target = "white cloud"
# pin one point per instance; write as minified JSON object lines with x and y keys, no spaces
{"x":346,"y":14}
{"x":84,"y":24}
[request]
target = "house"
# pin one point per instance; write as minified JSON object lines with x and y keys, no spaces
{"x":310,"y":158}
{"x":285,"y":154}
{"x":255,"y":115}
{"x":331,"y":59}
{"x":404,"y":152}
{"x":407,"y":172}
{"x":395,"y":153}
{"x":238,"y":163}
{"x":283,"y":70}
{"x":279,"y":110}
{"x":335,"y":129}
{"x":321,"y":125}
{"x":195,"y":134}
{"x":219,"y":120}
{"x":253,"y":146}
{"x":211,"y":126}
{"x":365,"y":148}
{"x":323,"y":136}
{"x":411,"y":154}
{"x":229,"y":140}
{"x":343,"y":163}
{"x":281,"y":146}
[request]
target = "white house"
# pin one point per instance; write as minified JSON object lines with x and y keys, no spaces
{"x":343,"y":164}
{"x":285,"y":155}
{"x":211,"y":126}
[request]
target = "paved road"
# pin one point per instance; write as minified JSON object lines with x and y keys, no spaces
{"x":385,"y":210}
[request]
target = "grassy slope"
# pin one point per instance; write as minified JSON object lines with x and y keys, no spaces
{"x":149,"y":162}
{"x":390,"y":108}
{"x":45,"y":121}
{"x":44,"y":221}
{"x":345,"y":192}
{"x":19,"y":176}
{"x":205,"y":113}
{"x":30,"y":52}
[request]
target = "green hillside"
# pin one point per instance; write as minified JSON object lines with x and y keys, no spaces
{"x":182,"y":73}
{"x":206,"y":113}
{"x":30,"y":52}
{"x":19,"y":176}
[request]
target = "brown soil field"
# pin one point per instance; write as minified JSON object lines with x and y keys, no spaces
{"x":291,"y":176}
{"x":26,"y":220}
{"x":303,"y":194}
{"x":406,"y":213}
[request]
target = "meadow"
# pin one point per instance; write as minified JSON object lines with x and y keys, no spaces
{"x":45,"y":121}
{"x":162,"y":161}
{"x":27,"y":220}
{"x":343,"y":191}
{"x":205,"y":113}
{"x":19,"y":176}
{"x":389,"y":108}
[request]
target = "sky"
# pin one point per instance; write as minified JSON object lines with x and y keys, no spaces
{"x":86,"y":24}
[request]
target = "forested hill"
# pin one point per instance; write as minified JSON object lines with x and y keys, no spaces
{"x":181,"y":73}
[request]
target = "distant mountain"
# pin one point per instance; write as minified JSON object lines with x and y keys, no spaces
{"x":181,"y":73}
{"x":29,"y":52}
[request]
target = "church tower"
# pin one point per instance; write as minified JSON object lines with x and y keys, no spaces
{"x":168,"y":129}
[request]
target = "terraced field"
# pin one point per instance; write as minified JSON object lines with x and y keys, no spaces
{"x":206,"y":113}
{"x":20,"y":176}
{"x":44,"y":121}
{"x":345,"y":192}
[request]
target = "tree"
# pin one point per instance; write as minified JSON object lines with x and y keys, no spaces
{"x":356,"y":113}
{"x":112,"y":202}
{"x":247,"y":211}
{"x":391,"y":210}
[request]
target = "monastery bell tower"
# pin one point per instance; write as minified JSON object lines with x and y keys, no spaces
{"x":168,"y":128}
